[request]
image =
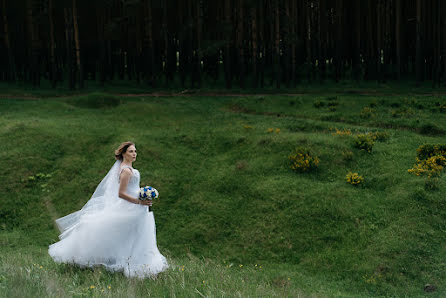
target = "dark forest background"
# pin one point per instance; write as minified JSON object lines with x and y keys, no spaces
{"x":242,"y":43}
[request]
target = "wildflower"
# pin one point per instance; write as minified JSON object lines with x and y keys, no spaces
{"x":270,"y":130}
{"x":354,"y":178}
{"x":91,"y":287}
{"x":109,"y":287}
{"x":277,"y":130}
{"x":301,"y":160}
{"x":289,"y":278}
{"x":345,"y":132}
{"x":41,"y":267}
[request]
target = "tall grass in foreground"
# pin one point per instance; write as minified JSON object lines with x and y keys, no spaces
{"x":34,"y":274}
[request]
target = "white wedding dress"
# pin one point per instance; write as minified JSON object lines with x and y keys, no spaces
{"x":111,"y":231}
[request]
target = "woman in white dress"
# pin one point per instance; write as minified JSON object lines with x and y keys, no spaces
{"x":114,"y":228}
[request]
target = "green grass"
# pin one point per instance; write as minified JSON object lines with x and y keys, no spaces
{"x":227,"y":194}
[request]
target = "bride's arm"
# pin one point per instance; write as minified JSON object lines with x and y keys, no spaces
{"x":125,"y":177}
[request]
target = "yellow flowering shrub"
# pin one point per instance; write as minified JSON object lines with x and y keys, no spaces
{"x":270,"y":130}
{"x":379,"y":135}
{"x":431,"y":160}
{"x":302,"y":160}
{"x":354,"y":178}
{"x":433,"y":166}
{"x":429,"y":150}
{"x":344,"y":132}
{"x":364,"y":142}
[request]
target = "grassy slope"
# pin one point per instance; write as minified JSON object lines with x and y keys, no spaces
{"x":227,"y":193}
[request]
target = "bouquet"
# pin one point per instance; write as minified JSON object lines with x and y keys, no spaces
{"x":148,"y":193}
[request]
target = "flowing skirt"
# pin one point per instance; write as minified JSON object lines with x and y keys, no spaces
{"x":122,"y":238}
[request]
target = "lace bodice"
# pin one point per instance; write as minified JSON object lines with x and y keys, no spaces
{"x":133,"y":186}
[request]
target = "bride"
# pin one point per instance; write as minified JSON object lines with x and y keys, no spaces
{"x":114,"y":228}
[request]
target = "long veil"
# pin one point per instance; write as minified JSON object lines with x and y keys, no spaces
{"x":105,"y":195}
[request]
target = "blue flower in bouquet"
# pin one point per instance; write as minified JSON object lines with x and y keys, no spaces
{"x":148,"y":193}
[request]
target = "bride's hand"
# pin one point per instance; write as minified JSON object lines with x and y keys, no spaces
{"x":146,"y":202}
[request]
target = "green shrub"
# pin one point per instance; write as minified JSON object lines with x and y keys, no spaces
{"x":430,"y":130}
{"x":441,"y":107}
{"x":428,"y":150}
{"x":364,"y":142}
{"x":354,"y":178}
{"x":367,"y":112}
{"x":96,"y":101}
{"x":347,"y":155}
{"x":319,"y":104}
{"x":373,"y":104}
{"x":431,"y":184}
{"x":302,"y":160}
{"x":379,"y":135}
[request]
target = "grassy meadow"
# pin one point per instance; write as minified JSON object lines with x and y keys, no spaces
{"x":233,"y":218}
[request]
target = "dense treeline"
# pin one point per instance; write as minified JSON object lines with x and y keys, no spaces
{"x":245,"y":43}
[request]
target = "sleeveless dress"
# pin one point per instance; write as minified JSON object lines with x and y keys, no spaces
{"x":122,"y":238}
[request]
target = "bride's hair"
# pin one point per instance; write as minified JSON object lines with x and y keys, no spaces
{"x":122,"y":149}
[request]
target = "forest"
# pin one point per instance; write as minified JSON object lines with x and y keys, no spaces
{"x":234,"y":43}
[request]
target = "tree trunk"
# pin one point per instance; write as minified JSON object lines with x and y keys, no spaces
{"x":419,"y":55}
{"x":139,"y":39}
{"x":149,"y":40}
{"x":379,"y":41}
{"x":322,"y":39}
{"x":357,"y":42}
{"x":338,"y":40}
{"x":34,"y":52}
{"x":309,"y":41}
{"x":398,"y":37}
{"x":11,"y":62}
{"x":228,"y":45}
{"x":69,"y":47}
{"x":241,"y":44}
{"x":78,"y":47}
{"x":165,"y":33}
{"x":52,"y":46}
{"x":277,"y":43}
{"x":437,"y":41}
{"x":199,"y":40}
{"x":254,"y":45}
{"x":261,"y":53}
{"x":443,"y":41}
